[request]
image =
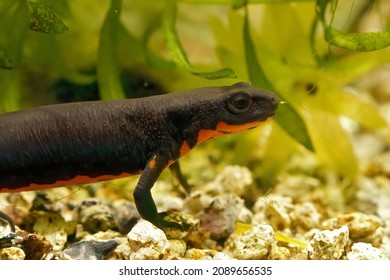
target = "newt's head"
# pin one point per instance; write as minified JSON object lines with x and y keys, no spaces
{"x":233,"y":109}
{"x":210,"y":112}
{"x":244,"y":104}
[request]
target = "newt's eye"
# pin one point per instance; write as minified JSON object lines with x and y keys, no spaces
{"x":239,"y":103}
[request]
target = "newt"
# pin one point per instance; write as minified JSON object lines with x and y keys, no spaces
{"x":85,"y":142}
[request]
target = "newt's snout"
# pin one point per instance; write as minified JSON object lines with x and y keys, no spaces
{"x":274,"y":104}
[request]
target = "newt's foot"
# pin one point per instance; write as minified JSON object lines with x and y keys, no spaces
{"x":9,"y":240}
{"x":172,"y":220}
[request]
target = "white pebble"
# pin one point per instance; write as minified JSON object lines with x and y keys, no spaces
{"x":365,"y":251}
{"x":147,"y":242}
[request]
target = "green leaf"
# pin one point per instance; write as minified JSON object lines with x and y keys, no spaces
{"x":321,"y":9}
{"x":293,"y":124}
{"x":14,"y":17}
{"x":176,"y":50}
{"x":218,"y":74}
{"x":256,"y":73}
{"x":108,"y":70}
{"x":237,"y":4}
{"x":5,"y":61}
{"x":367,"y":41}
{"x":150,"y":57}
{"x":45,"y":20}
{"x":286,"y":115}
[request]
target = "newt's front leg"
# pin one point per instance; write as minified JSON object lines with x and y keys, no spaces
{"x":143,"y":197}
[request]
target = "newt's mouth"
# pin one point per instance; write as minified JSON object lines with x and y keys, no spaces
{"x":269,"y":116}
{"x":223,"y":129}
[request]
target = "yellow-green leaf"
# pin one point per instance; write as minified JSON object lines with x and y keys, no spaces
{"x":176,"y":50}
{"x":45,"y":20}
{"x":364,"y":113}
{"x":367,"y":41}
{"x":290,"y":240}
{"x":286,"y":115}
{"x":278,"y":150}
{"x":332,"y":143}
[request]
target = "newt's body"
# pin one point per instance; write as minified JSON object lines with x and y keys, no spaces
{"x":85,"y":142}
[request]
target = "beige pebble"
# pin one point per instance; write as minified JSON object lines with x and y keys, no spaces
{"x":296,"y":186}
{"x":275,"y":210}
{"x":95,"y":215}
{"x":305,"y":215}
{"x":362,"y":227}
{"x":147,"y":242}
{"x":178,"y":248}
{"x":12,"y":253}
{"x":253,"y":244}
{"x":280,"y":253}
{"x":235,"y":179}
{"x":197,"y":201}
{"x":54,"y":227}
{"x":328,"y":245}
{"x":220,"y":217}
{"x":200,"y":254}
{"x":232,"y":179}
{"x":122,"y":251}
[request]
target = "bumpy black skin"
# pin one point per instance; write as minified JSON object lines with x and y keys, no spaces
{"x":58,"y":142}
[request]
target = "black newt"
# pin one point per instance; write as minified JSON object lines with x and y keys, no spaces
{"x":84,"y":142}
